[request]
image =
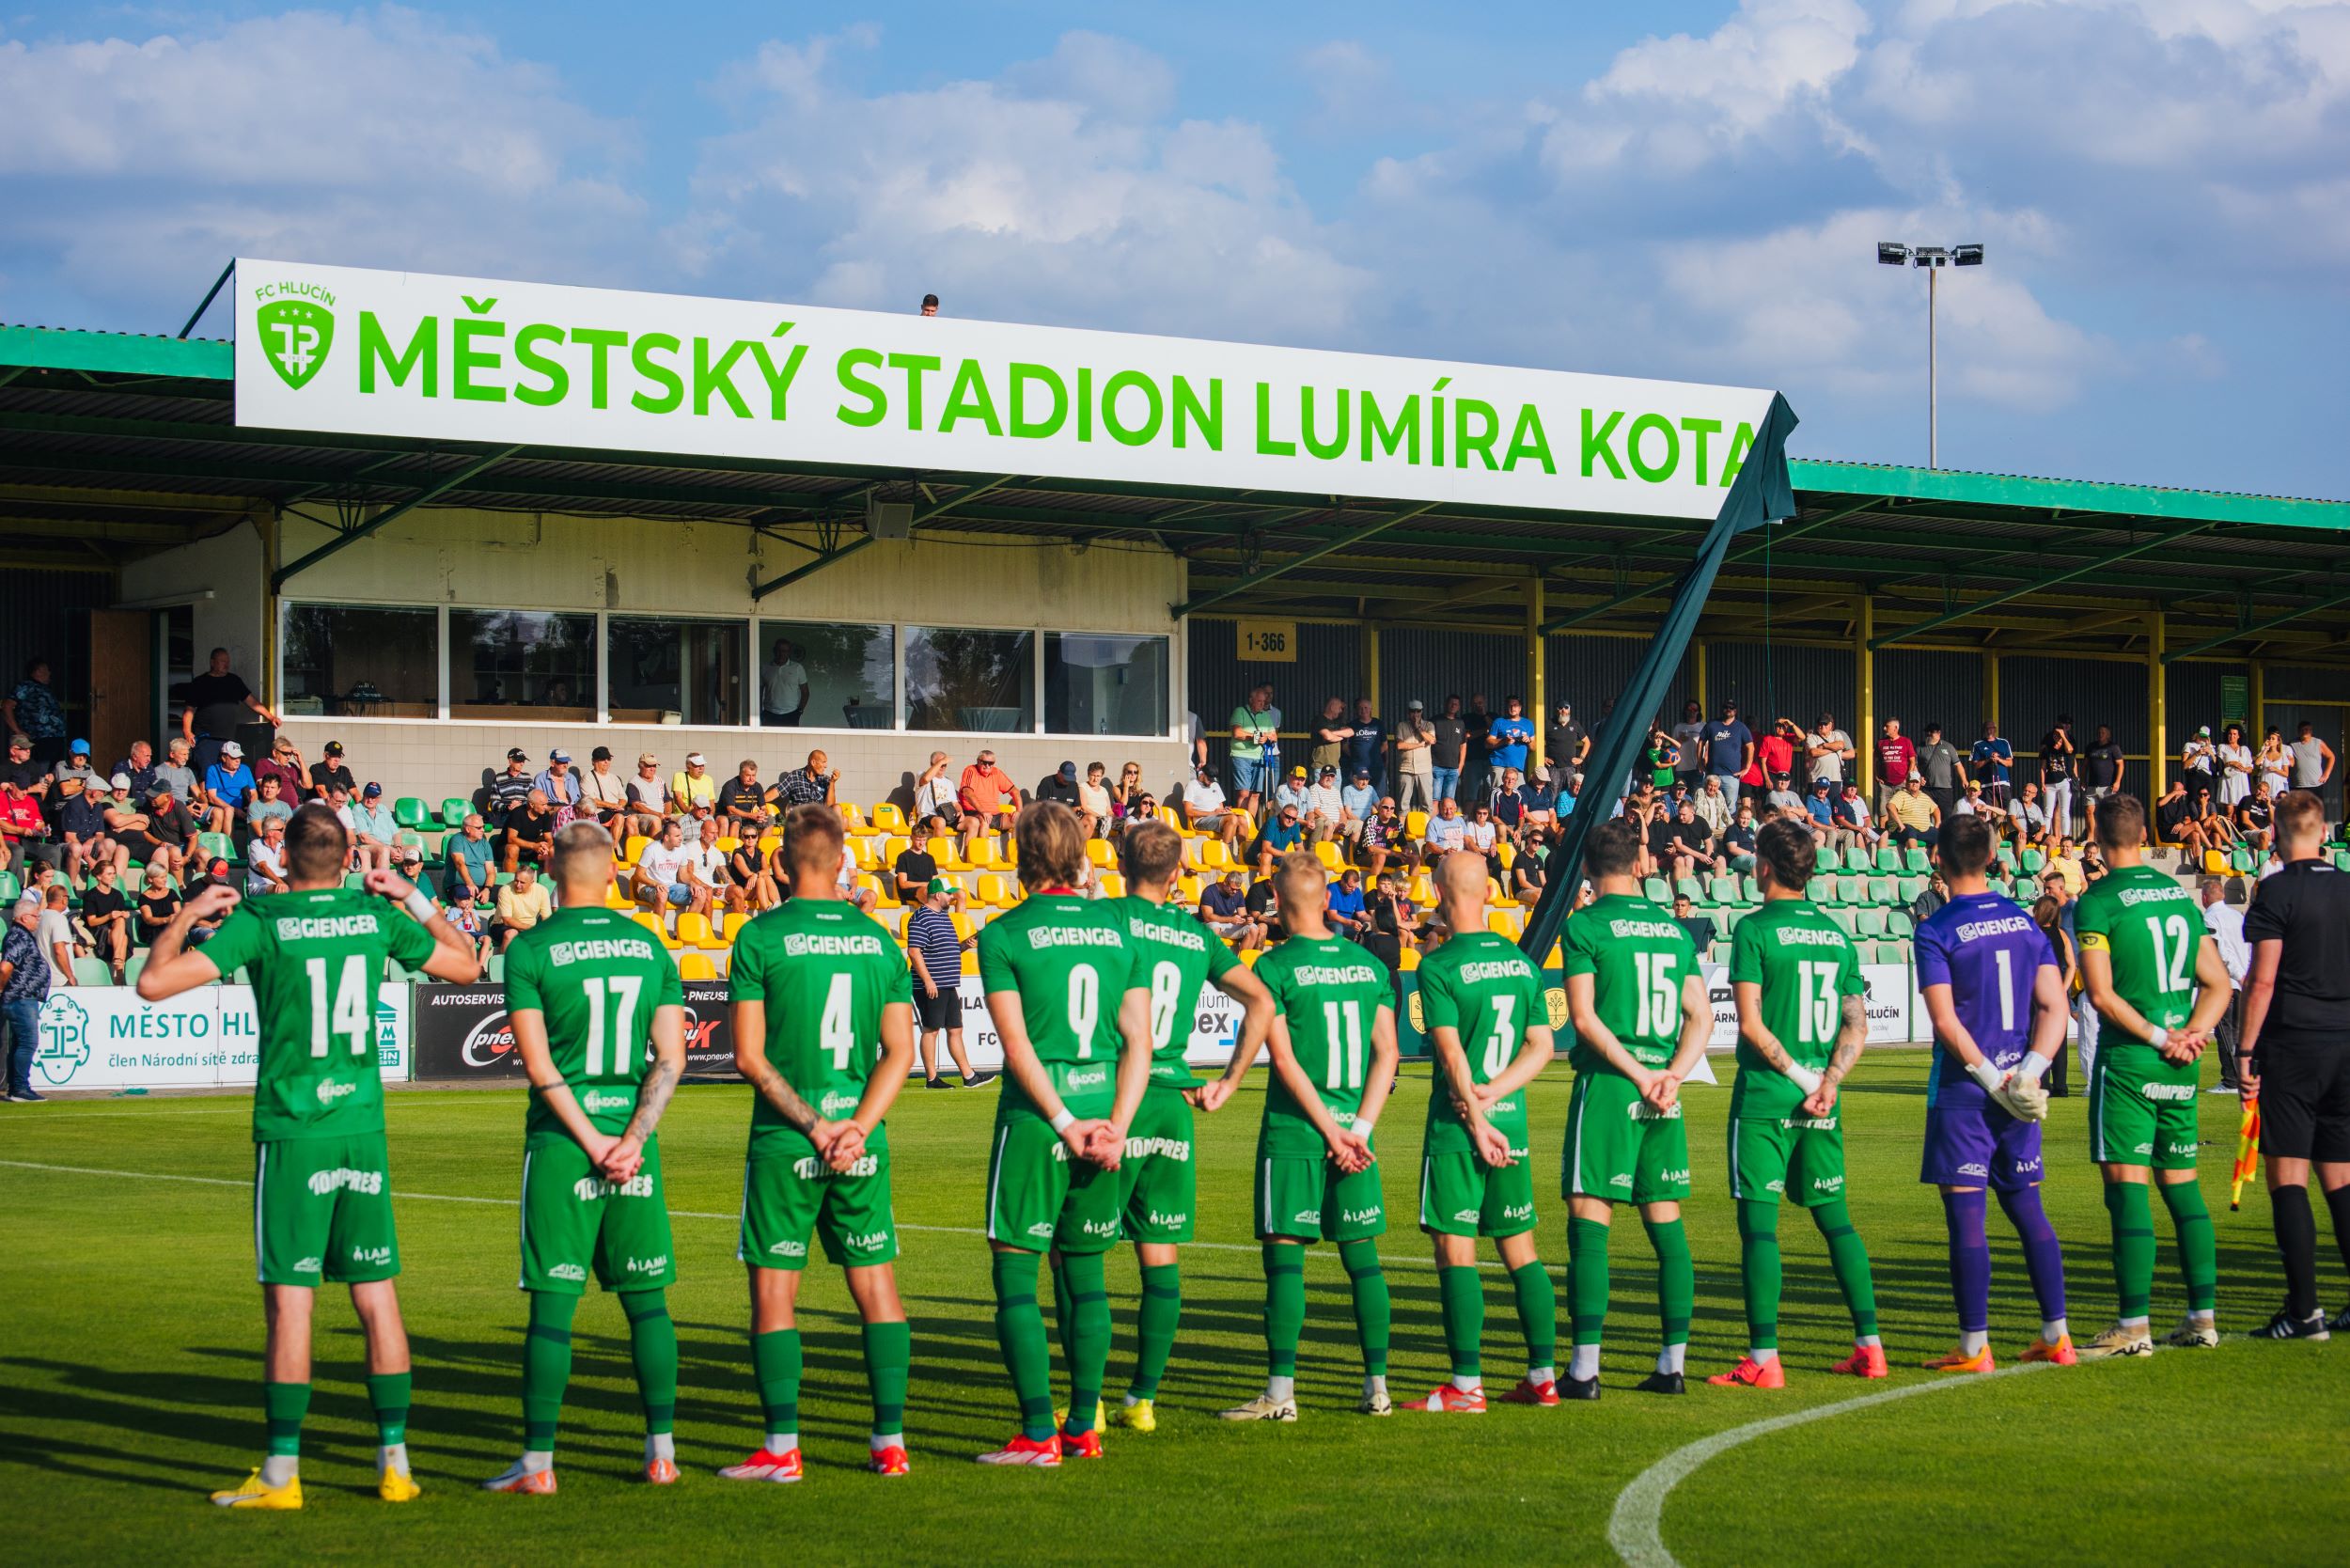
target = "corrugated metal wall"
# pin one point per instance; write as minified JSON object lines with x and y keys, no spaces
{"x":2033,"y":690}
{"x":2192,"y":691}
{"x":2304,"y":684}
{"x":1329,"y":663}
{"x":1919,"y":688}
{"x":39,"y":618}
{"x":1590,"y":673}
{"x":1777,"y":680}
{"x":1430,"y":662}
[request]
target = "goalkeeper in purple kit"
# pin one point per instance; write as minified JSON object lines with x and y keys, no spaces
{"x":1996,"y":997}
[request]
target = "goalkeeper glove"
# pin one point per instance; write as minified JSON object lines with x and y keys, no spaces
{"x":2023,"y":1099}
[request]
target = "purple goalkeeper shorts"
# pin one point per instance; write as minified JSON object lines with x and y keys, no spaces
{"x":1973,"y":1143}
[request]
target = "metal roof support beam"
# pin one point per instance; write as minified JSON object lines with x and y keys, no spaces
{"x":826,"y":558}
{"x":2255,"y":629}
{"x":2111,"y":557}
{"x":210,"y":295}
{"x":1255,"y":579}
{"x":352,"y":536}
{"x":1785,"y":534}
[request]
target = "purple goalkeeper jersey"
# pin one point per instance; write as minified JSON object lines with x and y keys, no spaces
{"x":1988,"y":951}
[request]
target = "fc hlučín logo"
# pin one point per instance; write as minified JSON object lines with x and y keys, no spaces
{"x":296,"y":336}
{"x":64,"y":1039}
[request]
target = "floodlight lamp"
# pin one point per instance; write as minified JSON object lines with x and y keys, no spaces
{"x":1967,"y":256}
{"x":1892,"y":254}
{"x":1931,"y":255}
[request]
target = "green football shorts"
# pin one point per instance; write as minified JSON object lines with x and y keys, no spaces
{"x":1797,"y":1158}
{"x":2142,"y":1110}
{"x":323,"y":1211}
{"x":789,"y":1191}
{"x":1157,"y":1184}
{"x":1620,"y":1147}
{"x":574,"y":1220}
{"x":1039,"y":1197}
{"x":1460,"y":1195}
{"x":1305,"y":1196}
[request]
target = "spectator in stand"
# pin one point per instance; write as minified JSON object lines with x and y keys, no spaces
{"x":467,"y":856}
{"x":603,"y":795}
{"x":912,"y":871}
{"x":1324,"y":806}
{"x":1686,"y":916}
{"x":2273,"y":761}
{"x":1095,"y":811}
{"x":1358,"y":801}
{"x":218,"y":701}
{"x":1350,"y":908}
{"x":1203,"y":808}
{"x":265,"y":858}
{"x":1481,"y":836}
{"x":659,"y":880}
{"x":2217,"y":827}
{"x":227,"y":787}
{"x":560,"y":785}
{"x":2028,"y":818}
{"x":1937,"y":764}
{"x":2234,"y":769}
{"x":1819,"y":806}
{"x":782,"y":687}
{"x":138,"y":766}
{"x":1381,"y":837}
{"x":1911,"y":816}
{"x":1476,"y":757}
{"x":81,"y":820}
{"x":1261,"y":905}
{"x":1255,"y":750}
{"x":2312,"y":761}
{"x":1989,"y":761}
{"x":170,"y":834}
{"x":2198,"y":760}
{"x":1446,"y":829}
{"x":373,"y":831}
{"x":1930,"y":898}
{"x":1688,"y":738}
{"x":157,"y":903}
{"x":2255,"y":820}
{"x":20,"y":770}
{"x":693,"y":790}
{"x":1853,"y":816}
{"x":2059,"y":762}
{"x":1827,"y":751}
{"x":1392,"y":921}
{"x":750,"y":887}
{"x":1509,"y":739}
{"x":1784,"y":802}
{"x":1282,"y":833}
{"x":988,"y":796}
{"x":106,"y":916}
{"x":1330,"y":734}
{"x":330,"y":770}
{"x":283,"y":764}
{"x":522,"y":904}
{"x":1714,"y":808}
{"x":1530,"y":869}
{"x":1568,"y":744}
{"x":55,"y":935}
{"x":529,"y":837}
{"x":268,"y":805}
{"x":1414,"y":741}
{"x":2064,"y":866}
{"x":743,"y":803}
{"x":33,"y":711}
{"x":26,"y":827}
{"x":1540,"y":805}
{"x":1128,"y":794}
{"x":465,"y":919}
{"x":934,"y":949}
{"x":934,"y":801}
{"x":1730,"y":751}
{"x":1059,"y":785}
{"x":1738,"y":840}
{"x":2101,"y":769}
{"x":24,"y":987}
{"x":1293,"y":790}
{"x":1692,"y":843}
{"x":510,"y":792}
{"x":1223,"y":908}
{"x":1365,"y":750}
{"x":648,"y":798}
{"x":706,"y":868}
{"x":1661,"y":757}
{"x":66,"y":778}
{"x":1448,"y":750}
{"x":1897,"y":759}
{"x":815,"y":783}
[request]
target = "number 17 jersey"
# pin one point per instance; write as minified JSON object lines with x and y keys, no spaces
{"x":824,"y":970}
{"x":595,"y":977}
{"x":1329,"y":992}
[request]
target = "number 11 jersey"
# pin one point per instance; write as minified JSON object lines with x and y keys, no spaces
{"x":1329,"y":992}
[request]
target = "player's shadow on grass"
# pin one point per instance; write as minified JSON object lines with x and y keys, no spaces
{"x":213,"y":1412}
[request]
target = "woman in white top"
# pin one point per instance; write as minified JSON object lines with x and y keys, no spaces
{"x":604,"y":794}
{"x":2235,"y":765}
{"x":2275,"y":763}
{"x":1093,"y":800}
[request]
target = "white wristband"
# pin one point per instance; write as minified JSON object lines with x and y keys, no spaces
{"x":1063,"y":1121}
{"x":2160,"y":1039}
{"x":1804,"y":1077}
{"x":2034,"y":1066}
{"x":417,"y":905}
{"x":1986,"y":1073}
{"x":1362,"y":1126}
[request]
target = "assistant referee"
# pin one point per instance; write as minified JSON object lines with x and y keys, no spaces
{"x":2297,"y":1053}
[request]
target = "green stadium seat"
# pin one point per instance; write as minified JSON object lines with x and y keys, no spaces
{"x":2240,"y":860}
{"x":2007,"y":860}
{"x":1906,"y":889}
{"x":2032,"y":860}
{"x":1889,"y":858}
{"x":1869,"y":922}
{"x":2341,"y":861}
{"x":497,"y":968}
{"x":1898,"y":923}
{"x":1723,"y":889}
{"x":1881,"y":890}
{"x":1823,"y":859}
{"x":1750,"y":890}
{"x":1655,"y":890}
{"x":1856,"y":859}
{"x":10,"y":888}
{"x":1844,"y":917}
{"x":408,"y":811}
{"x":1721,"y":918}
{"x":131,"y":969}
{"x":92,"y":971}
{"x":454,"y":812}
{"x":219,"y":846}
{"x":1914,"y":858}
{"x":1690,"y":885}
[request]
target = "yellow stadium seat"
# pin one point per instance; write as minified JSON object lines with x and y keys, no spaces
{"x":734,"y":925}
{"x":888,"y":818}
{"x":1213,"y":856}
{"x":945,"y":851}
{"x":654,"y":924}
{"x":1415,"y":825}
{"x":1113,"y":884}
{"x":2214,"y":863}
{"x":1411,"y":960}
{"x":1172,"y":817}
{"x":769,"y":842}
{"x":1010,"y":853}
{"x":636,"y":850}
{"x":1098,"y":853}
{"x":970,"y":961}
{"x":1505,"y":923}
{"x":1327,"y":853}
{"x":693,"y":966}
{"x":853,"y":817}
{"x":1188,"y":889}
{"x":983,"y":853}
{"x":962,"y":922}
{"x":995,"y":889}
{"x":728,"y":846}
{"x":694,"y":930}
{"x":894,"y":919}
{"x":883,"y":895}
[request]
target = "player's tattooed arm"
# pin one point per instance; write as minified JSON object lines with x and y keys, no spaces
{"x":1754,"y":1031}
{"x":750,"y":1060}
{"x":1849,"y":1039}
{"x":661,"y":1079}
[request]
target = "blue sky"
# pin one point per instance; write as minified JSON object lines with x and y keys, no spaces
{"x":1674,"y":189}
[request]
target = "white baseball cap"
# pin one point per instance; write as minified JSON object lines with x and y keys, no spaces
{"x":694,"y":760}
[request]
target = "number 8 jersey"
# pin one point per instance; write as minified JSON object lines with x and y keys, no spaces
{"x":316,"y":958}
{"x":1805,"y":966}
{"x":596,"y":977}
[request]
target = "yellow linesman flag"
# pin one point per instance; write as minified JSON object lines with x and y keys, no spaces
{"x":2248,"y":1152}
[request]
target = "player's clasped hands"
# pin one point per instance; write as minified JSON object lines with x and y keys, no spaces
{"x":1661,"y":1092}
{"x":621,"y":1160}
{"x":2186,"y":1044}
{"x":1820,"y":1101}
{"x":1493,"y":1145}
{"x":840,"y":1144}
{"x":1210,"y":1097}
{"x":1350,"y":1151}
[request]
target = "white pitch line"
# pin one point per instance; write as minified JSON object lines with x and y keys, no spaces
{"x":1635,"y":1527}
{"x":674,"y":1214}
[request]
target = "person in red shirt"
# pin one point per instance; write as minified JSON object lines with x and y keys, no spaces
{"x":987,"y":795}
{"x":1896,"y":755}
{"x":25,"y":829}
{"x":1775,"y":756}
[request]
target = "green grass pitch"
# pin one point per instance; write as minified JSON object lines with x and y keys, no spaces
{"x":130,"y":1340}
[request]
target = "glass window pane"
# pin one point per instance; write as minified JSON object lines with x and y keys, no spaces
{"x":346,"y":662}
{"x":1096,"y":685}
{"x":826,"y":676}
{"x":971,"y":681}
{"x":689,"y":669}
{"x":502,"y":663}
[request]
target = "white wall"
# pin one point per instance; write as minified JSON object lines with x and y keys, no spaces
{"x":223,"y":582}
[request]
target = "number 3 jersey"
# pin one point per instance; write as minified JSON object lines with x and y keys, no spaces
{"x":1329,"y":993}
{"x":1479,"y":984}
{"x":1639,"y":957}
{"x":1988,"y":951}
{"x":1805,"y":966}
{"x":316,"y":958}
{"x":824,"y":970}
{"x":595,"y":977}
{"x":2150,"y":929}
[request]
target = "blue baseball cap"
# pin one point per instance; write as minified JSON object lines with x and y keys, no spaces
{"x":78,"y":749}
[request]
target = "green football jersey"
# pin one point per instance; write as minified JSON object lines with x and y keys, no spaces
{"x":1479,"y":984}
{"x":1329,"y":993}
{"x":316,"y":960}
{"x":825,"y":969}
{"x":2150,"y":929}
{"x":1180,"y":956}
{"x":1069,"y":962}
{"x":1638,"y":956}
{"x":594,"y":977}
{"x":1805,"y":966}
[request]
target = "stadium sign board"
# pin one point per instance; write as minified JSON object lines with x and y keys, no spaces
{"x":104,"y":1037}
{"x":343,"y":350}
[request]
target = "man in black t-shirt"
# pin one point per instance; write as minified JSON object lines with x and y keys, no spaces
{"x":1450,"y":747}
{"x":915,"y":866}
{"x":329,"y":770}
{"x":1564,"y":745}
{"x":2297,"y":1053}
{"x":218,"y":701}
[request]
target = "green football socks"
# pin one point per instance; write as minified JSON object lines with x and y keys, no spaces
{"x":283,"y":1406}
{"x":388,"y":1392}
{"x":1462,"y":1295}
{"x":1155,"y":1321}
{"x":1676,"y":1280}
{"x":2198,"y":1253}
{"x":1020,"y":1334}
{"x":1284,"y":1306}
{"x":546,"y":1367}
{"x":1587,"y":1279}
{"x":1850,"y":1260}
{"x":1374,"y":1310}
{"x":1538,"y":1315}
{"x":1088,"y":1337}
{"x":775,"y":1367}
{"x":2133,"y":1246}
{"x":652,"y":1347}
{"x":889,"y":1360}
{"x":1759,"y":1271}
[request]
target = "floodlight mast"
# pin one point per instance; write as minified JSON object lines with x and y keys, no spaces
{"x":1933,"y":259}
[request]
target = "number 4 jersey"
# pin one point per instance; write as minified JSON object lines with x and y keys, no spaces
{"x":1805,"y":966}
{"x":316,"y":960}
{"x":824,"y":970}
{"x":595,"y":978}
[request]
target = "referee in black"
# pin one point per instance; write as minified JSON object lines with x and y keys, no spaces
{"x":2297,"y":1053}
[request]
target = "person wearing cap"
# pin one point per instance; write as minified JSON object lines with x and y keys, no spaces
{"x":648,"y":798}
{"x":1204,"y":810}
{"x":24,"y":828}
{"x":268,"y":802}
{"x":215,"y":875}
{"x":1413,"y":744}
{"x":1324,"y":806}
{"x":935,"y":951}
{"x":1059,"y":785}
{"x":24,"y":987}
{"x":227,"y":789}
{"x":1292,"y":791}
{"x":604,"y":794}
{"x":329,"y":770}
{"x":374,"y":831}
{"x":1819,"y":804}
{"x":265,"y":858}
{"x":692,"y":789}
{"x":20,"y":770}
{"x":81,"y":822}
{"x":1989,"y":760}
{"x":1729,"y":748}
{"x":1358,"y":800}
{"x":528,"y":837}
{"x":742,"y":802}
{"x":560,"y":785}
{"x":32,"y":710}
{"x":283,"y":764}
{"x":68,"y":776}
{"x":218,"y":701}
{"x":508,"y":792}
{"x":1282,"y":833}
{"x":1567,"y":742}
{"x":171,"y":829}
